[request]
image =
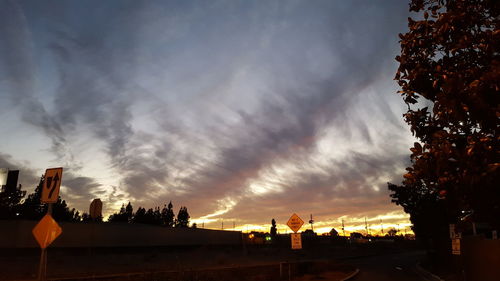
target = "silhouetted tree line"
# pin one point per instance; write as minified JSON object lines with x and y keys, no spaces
{"x":14,"y":205}
{"x":155,"y":216}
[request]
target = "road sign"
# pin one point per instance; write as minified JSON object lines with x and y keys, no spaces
{"x":95,"y":209}
{"x":295,"y":223}
{"x":51,"y":184}
{"x":296,"y":241}
{"x":46,"y":231}
{"x":455,"y":246}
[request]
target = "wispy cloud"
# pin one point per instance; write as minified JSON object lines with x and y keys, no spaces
{"x":233,"y":108}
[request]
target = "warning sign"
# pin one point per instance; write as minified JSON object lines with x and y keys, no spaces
{"x":46,"y":231}
{"x":295,"y":223}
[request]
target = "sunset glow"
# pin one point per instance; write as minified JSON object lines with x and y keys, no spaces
{"x":240,"y":112}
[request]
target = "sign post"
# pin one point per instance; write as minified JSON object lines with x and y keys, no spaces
{"x":295,"y":223}
{"x":47,"y":229}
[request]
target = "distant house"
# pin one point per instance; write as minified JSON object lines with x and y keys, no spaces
{"x":334,"y":233}
{"x":309,"y":233}
{"x":356,"y":235}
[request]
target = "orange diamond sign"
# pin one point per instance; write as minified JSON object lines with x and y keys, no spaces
{"x":46,"y":231}
{"x":295,"y":223}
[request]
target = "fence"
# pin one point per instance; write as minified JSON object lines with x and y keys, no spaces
{"x":17,"y":234}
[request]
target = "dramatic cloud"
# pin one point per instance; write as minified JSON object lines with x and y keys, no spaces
{"x":239,"y":110}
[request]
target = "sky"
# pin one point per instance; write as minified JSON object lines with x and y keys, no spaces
{"x":242,"y":111}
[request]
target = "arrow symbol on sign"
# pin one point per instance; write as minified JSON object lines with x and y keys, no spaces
{"x":49,"y":181}
{"x":56,"y":179}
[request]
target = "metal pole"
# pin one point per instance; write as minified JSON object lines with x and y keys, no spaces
{"x":41,"y":267}
{"x":49,"y":209}
{"x":312,"y":223}
{"x":42,"y":270}
{"x":343,"y":228}
{"x":281,"y":270}
{"x":289,"y":272}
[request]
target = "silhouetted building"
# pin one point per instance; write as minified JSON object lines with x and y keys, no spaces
{"x":334,"y":233}
{"x":309,"y":233}
{"x":11,"y":183}
{"x":356,"y":235}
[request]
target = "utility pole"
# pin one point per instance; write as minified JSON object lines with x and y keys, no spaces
{"x":311,"y":221}
{"x":343,"y":228}
{"x":234,"y":225}
{"x":366,"y":227}
{"x":381,"y":226}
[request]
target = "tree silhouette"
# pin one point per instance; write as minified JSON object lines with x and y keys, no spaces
{"x":140,"y":216}
{"x":167,"y":215}
{"x":273,"y":228}
{"x":392,"y":232}
{"x":10,"y":199}
{"x":61,"y":212}
{"x":86,"y":217}
{"x":152,"y":216}
{"x":182,"y":218}
{"x":157,"y":216}
{"x":149,"y":216}
{"x":449,"y":76}
{"x":32,"y":208}
{"x":129,"y":212}
{"x":428,"y":213}
{"x":125,"y":214}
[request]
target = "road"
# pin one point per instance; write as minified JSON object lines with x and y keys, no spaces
{"x":397,"y":267}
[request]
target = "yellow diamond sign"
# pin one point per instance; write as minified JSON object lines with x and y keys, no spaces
{"x":295,"y":223}
{"x":46,"y":231}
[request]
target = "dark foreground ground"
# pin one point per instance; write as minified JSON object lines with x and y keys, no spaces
{"x":327,"y":261}
{"x":399,"y":266}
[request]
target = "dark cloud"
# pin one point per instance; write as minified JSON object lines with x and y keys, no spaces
{"x":298,"y":106}
{"x":80,"y":191}
{"x":19,"y":72}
